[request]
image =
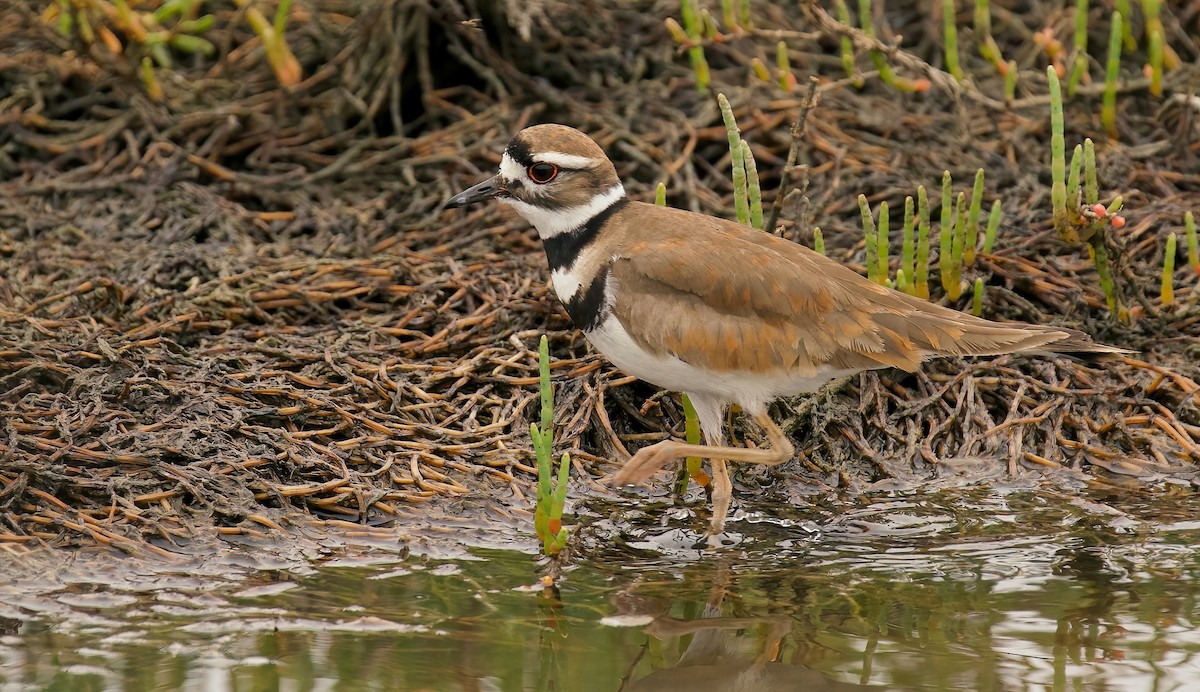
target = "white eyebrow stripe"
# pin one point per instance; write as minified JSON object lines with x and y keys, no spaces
{"x":564,"y":160}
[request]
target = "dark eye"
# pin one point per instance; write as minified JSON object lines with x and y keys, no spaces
{"x":542,"y":173}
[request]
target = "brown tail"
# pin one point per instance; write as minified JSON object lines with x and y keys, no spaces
{"x":938,"y":331}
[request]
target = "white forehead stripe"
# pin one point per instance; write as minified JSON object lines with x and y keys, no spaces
{"x":510,"y":169}
{"x":551,"y":222}
{"x":564,"y":160}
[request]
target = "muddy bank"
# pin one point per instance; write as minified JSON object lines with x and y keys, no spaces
{"x":242,"y":303}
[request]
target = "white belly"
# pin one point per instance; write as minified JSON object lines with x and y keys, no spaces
{"x":751,"y":391}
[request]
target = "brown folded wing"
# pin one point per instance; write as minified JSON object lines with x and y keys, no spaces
{"x":729,"y":298}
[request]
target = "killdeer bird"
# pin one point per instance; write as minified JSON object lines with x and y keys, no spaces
{"x":718,"y":310}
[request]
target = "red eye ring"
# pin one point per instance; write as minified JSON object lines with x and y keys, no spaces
{"x":542,"y":172}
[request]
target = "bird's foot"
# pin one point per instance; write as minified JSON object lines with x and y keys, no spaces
{"x":647,"y":462}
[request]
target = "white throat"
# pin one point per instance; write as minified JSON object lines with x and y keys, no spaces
{"x":552,"y":222}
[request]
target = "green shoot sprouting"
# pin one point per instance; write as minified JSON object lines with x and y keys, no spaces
{"x":871,"y":233}
{"x":551,"y":493}
{"x":818,"y":240}
{"x":1058,"y":161}
{"x":660,"y":195}
{"x":843,"y":14}
{"x":736,"y":14}
{"x":1126,"y":10}
{"x":1108,"y":111}
{"x":787,"y":80}
{"x":753,"y":190}
{"x":954,"y":289}
{"x":747,"y":194}
{"x":989,"y":238}
{"x":886,"y":73}
{"x":1193,"y":246}
{"x":972,"y":237}
{"x":692,"y":466}
{"x":950,"y":39}
{"x":279,"y":56}
{"x":1010,"y":81}
{"x":977,"y":298}
{"x":946,"y":237}
{"x":1154,"y":47}
{"x":1168,"y":273}
{"x":904,"y":275}
{"x":883,"y":243}
{"x":154,"y":89}
{"x":1080,"y":64}
{"x":1091,"y":188}
{"x":729,"y":15}
{"x":1073,"y":172}
{"x":693,"y":27}
{"x":1099,"y":254}
{"x":711,"y":30}
{"x":921,"y":276}
{"x":983,"y":31}
{"x":759,"y":68}
{"x":740,"y":202}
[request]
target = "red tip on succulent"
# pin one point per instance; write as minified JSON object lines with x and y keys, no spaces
{"x":1099,"y":210}
{"x":1118,"y":222}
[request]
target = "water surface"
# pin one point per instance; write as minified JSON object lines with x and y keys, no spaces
{"x":958,"y":590}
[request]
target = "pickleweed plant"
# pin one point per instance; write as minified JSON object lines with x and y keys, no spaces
{"x":1078,"y":215}
{"x":1167,"y":292}
{"x":1193,"y":246}
{"x":747,"y":193}
{"x":552,"y":493}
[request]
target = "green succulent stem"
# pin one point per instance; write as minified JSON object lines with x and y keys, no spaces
{"x":908,"y":258}
{"x":950,"y":39}
{"x":1154,"y":47}
{"x":993,"y":227}
{"x":957,"y":251}
{"x":983,"y":31}
{"x":692,"y":465}
{"x":972,"y":236}
{"x":737,"y":161}
{"x":1091,"y":188}
{"x":921,"y":275}
{"x":753,"y":189}
{"x":884,"y":242}
{"x":1080,"y":63}
{"x":1168,"y":272}
{"x":787,"y":80}
{"x":693,"y":24}
{"x":946,"y":238}
{"x":552,"y":492}
{"x":843,"y":14}
{"x":1058,"y":163}
{"x":871,"y":234}
{"x":1193,"y":246}
{"x":1108,"y":111}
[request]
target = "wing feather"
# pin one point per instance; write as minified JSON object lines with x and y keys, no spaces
{"x":730,"y":298}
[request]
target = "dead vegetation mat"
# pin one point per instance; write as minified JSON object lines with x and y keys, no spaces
{"x":243,"y":300}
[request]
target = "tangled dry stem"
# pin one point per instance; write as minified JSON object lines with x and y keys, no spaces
{"x":245,"y":300}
